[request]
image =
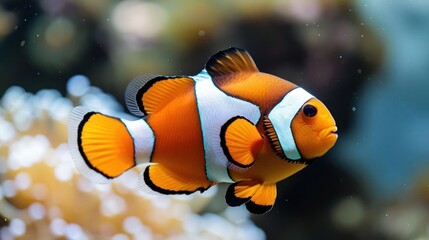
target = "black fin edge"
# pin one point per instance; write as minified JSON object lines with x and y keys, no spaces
{"x":257,"y":209}
{"x":225,"y":149}
{"x":136,"y":100}
{"x":231,"y":199}
{"x":155,"y":188}
{"x":85,"y":119}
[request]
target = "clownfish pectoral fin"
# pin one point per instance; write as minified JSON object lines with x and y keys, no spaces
{"x":241,"y":192}
{"x":240,"y":141}
{"x":230,"y":61}
{"x":160,"y":180}
{"x":101,"y":146}
{"x":263,"y":200}
{"x":150,"y":93}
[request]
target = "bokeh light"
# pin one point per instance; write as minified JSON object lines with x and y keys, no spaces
{"x":7,"y":21}
{"x":137,"y":21}
{"x":78,"y":85}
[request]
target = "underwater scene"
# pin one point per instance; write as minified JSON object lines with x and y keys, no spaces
{"x":265,"y":119}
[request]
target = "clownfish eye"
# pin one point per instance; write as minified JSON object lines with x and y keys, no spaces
{"x":309,"y":110}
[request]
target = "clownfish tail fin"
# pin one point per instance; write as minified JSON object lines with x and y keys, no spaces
{"x":104,"y":147}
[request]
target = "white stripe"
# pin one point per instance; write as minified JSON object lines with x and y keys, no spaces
{"x":281,"y":117}
{"x":143,"y":138}
{"x":215,"y":109}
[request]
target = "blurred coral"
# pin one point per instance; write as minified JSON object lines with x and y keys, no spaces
{"x":388,"y":145}
{"x":43,"y":197}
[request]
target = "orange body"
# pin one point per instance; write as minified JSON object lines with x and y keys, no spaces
{"x":179,"y":143}
{"x":230,"y":123}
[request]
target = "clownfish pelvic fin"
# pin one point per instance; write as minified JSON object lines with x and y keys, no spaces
{"x":258,"y":197}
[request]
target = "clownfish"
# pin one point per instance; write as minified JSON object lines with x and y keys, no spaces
{"x":230,"y":123}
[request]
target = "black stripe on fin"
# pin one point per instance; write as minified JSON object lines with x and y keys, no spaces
{"x":79,"y":143}
{"x":263,"y":200}
{"x":93,"y":145}
{"x":256,"y":208}
{"x":156,"y":95}
{"x":230,"y":61}
{"x":167,"y":184}
{"x":238,"y":135}
{"x":233,"y":200}
{"x":135,"y":91}
{"x":77,"y":119}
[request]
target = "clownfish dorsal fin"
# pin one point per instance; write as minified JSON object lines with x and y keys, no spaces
{"x":259,"y":198}
{"x":230,"y":61}
{"x":240,"y":141}
{"x":161,"y":180}
{"x":149,"y":93}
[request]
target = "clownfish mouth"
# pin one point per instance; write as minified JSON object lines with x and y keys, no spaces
{"x":329,"y":133}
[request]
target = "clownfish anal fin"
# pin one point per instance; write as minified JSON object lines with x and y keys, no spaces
{"x":162,"y":181}
{"x":147,"y":94}
{"x":259,"y":198}
{"x":240,"y":141}
{"x":230,"y":61}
